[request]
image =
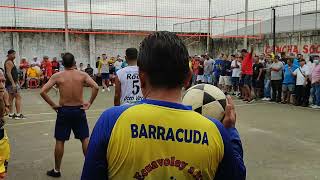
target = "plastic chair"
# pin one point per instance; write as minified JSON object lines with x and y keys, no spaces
{"x":33,"y":83}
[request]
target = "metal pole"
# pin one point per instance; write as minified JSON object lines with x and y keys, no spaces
{"x":293,"y":20}
{"x":316,"y":24}
{"x":245,"y":41}
{"x":91,"y":21}
{"x":253,"y":23}
{"x":156,"y":1}
{"x":66,"y":33}
{"x":209,"y":28}
{"x":15,"y":13}
{"x":274,"y":30}
{"x":237,"y":24}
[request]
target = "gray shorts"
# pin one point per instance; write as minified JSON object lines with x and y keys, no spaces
{"x":11,"y":91}
{"x":288,"y":87}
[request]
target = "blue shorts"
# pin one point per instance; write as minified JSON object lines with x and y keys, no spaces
{"x":105,"y":76}
{"x":235,"y":81}
{"x":71,"y":118}
{"x":247,"y":80}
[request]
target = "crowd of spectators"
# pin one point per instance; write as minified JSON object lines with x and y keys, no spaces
{"x":283,"y":78}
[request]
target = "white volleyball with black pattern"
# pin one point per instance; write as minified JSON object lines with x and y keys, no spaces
{"x":207,"y":100}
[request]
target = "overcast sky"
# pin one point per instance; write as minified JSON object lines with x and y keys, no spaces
{"x":180,"y":8}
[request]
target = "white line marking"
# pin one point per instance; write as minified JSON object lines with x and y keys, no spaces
{"x":39,"y":114}
{"x":35,"y":122}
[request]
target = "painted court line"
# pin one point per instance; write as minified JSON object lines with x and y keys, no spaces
{"x":39,"y":114}
{"x":35,"y":122}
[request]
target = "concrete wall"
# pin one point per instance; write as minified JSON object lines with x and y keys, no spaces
{"x":307,"y":42}
{"x":85,"y":47}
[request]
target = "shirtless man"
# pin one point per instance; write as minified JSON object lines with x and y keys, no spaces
{"x":71,"y":109}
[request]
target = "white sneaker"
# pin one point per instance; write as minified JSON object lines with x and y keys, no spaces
{"x":268,"y":99}
{"x":315,"y":107}
{"x":108,"y":89}
{"x":264,"y":99}
{"x":103,"y":90}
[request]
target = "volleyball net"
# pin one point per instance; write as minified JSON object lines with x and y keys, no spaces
{"x":117,"y":17}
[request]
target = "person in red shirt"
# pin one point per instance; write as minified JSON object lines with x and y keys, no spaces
{"x":195,"y":69}
{"x":24,"y":65}
{"x":247,"y":72}
{"x":47,"y":68}
{"x":55,"y":65}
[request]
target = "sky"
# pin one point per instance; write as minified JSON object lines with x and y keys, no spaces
{"x":176,"y":8}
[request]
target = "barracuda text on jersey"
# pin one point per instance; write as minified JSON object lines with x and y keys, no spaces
{"x":169,"y":134}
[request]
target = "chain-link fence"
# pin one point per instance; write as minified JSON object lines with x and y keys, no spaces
{"x":291,"y":17}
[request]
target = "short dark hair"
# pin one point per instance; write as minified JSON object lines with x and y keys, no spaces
{"x":11,"y":51}
{"x":244,"y":51}
{"x":132,"y":54}
{"x":165,"y":59}
{"x":68,"y":60}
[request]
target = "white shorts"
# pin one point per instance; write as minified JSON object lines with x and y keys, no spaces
{"x":200,"y":78}
{"x":207,"y":78}
{"x":225,"y":80}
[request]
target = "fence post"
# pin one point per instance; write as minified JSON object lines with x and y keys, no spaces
{"x":316,"y":23}
{"x":274,"y":30}
{"x":293,"y":18}
{"x":209,"y":27}
{"x":156,"y":4}
{"x":66,"y":33}
{"x":245,"y":42}
{"x":253,"y":23}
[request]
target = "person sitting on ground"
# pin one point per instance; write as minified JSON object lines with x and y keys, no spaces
{"x":289,"y":81}
{"x":315,"y":82}
{"x":177,"y":143}
{"x":24,"y":65}
{"x":33,"y":73}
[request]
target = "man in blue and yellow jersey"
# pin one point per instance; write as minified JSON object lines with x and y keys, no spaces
{"x":159,"y":138}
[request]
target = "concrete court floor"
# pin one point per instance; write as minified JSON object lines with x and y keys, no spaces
{"x":280,"y":142}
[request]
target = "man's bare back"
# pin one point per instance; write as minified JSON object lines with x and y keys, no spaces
{"x":70,"y":84}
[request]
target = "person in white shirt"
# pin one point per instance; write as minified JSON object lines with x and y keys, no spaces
{"x":301,"y":75}
{"x":118,"y":64}
{"x":236,"y":72}
{"x":128,"y":88}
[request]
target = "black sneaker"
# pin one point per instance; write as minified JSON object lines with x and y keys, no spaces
{"x":52,"y":173}
{"x":21,"y":116}
{"x":13,"y":116}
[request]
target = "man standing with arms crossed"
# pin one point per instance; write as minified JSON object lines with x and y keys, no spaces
{"x":71,"y":109}
{"x":159,"y":138}
{"x":128,"y":88}
{"x":12,"y":85}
